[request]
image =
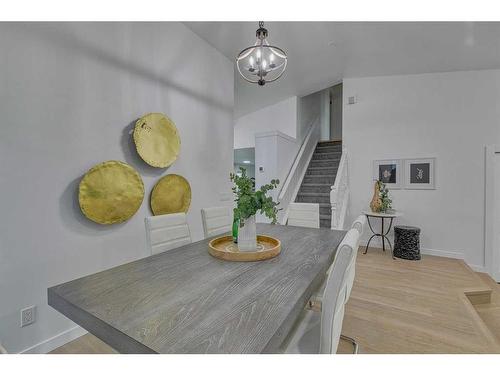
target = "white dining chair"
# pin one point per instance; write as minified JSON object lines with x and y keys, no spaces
{"x":320,"y":332}
{"x":359,"y":224}
{"x":303,"y":215}
{"x":350,"y":241}
{"x":216,"y":220}
{"x":351,"y":274}
{"x":167,"y":232}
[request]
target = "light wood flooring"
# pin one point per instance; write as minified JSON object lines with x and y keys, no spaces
{"x":400,"y":306}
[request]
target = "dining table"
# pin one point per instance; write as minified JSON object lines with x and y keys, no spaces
{"x":186,"y":301}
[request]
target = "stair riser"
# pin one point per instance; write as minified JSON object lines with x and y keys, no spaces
{"x":324,"y":163}
{"x":325,"y":210}
{"x":330,"y":143}
{"x":315,"y":189}
{"x":322,"y":150}
{"x":327,"y":156}
{"x":312,"y":199}
{"x":319,"y":172}
{"x":308,"y":179}
{"x":325,"y":223}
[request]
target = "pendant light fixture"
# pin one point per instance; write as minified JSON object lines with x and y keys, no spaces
{"x":261,"y":62}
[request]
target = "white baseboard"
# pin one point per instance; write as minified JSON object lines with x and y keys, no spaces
{"x":477,"y":268}
{"x":56,"y":341}
{"x":447,"y":254}
{"x":435,"y":252}
{"x":443,"y":253}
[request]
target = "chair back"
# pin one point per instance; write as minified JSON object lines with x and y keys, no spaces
{"x":359,"y":224}
{"x":216,"y":220}
{"x":167,"y":232}
{"x":351,"y":270}
{"x":303,"y":215}
{"x":333,"y":302}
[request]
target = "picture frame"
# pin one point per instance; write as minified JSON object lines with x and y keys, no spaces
{"x":420,"y":174}
{"x":389,"y":171}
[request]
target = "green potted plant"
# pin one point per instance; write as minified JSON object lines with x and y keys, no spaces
{"x":248,"y":202}
{"x":386,"y":201}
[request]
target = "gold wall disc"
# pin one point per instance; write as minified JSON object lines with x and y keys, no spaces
{"x":171,"y":194}
{"x":110,"y":192}
{"x":157,"y":140}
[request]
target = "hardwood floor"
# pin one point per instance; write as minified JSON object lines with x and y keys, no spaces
{"x":490,"y":312}
{"x":400,"y":306}
{"x":86,"y":344}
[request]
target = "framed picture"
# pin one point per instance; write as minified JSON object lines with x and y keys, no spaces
{"x":389,"y":172}
{"x":420,"y":173}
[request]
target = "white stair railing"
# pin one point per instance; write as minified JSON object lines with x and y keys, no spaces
{"x":291,"y":186}
{"x":339,"y":195}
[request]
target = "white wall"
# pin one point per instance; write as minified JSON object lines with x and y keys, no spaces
{"x":69,"y":97}
{"x":281,"y":116}
{"x":450,"y":116}
{"x":275,"y":152}
{"x":308,"y":109}
{"x":336,"y":112}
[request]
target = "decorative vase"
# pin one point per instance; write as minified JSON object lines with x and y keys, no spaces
{"x":247,"y":235}
{"x":236,"y":225}
{"x":376,"y":203}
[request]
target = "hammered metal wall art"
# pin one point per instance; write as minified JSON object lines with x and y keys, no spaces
{"x":171,"y":194}
{"x":110,"y":192}
{"x":157,"y":140}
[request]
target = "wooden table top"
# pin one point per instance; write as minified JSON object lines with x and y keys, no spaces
{"x":186,"y":301}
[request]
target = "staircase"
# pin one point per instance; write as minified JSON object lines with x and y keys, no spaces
{"x":320,"y":177}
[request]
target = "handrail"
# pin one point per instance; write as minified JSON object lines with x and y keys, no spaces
{"x":296,"y":161}
{"x":296,"y":173}
{"x":339,"y":194}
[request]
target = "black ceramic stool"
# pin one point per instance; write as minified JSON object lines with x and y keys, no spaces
{"x":407,"y":242}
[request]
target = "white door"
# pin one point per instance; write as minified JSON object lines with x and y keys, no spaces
{"x":492,"y":212}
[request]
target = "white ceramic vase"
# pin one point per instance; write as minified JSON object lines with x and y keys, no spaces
{"x":247,"y":235}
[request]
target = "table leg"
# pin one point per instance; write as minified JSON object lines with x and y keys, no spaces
{"x":383,"y":236}
{"x":374,"y":234}
{"x":368,"y":243}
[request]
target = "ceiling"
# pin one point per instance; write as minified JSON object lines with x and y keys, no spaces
{"x":323,"y":53}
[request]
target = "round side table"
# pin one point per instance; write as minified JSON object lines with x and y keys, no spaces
{"x":383,"y":233}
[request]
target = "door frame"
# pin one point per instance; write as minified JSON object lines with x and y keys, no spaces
{"x":491,"y":257}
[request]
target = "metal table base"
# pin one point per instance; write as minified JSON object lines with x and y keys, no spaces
{"x":382,"y":234}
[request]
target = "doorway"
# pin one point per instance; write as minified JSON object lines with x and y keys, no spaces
{"x":336,"y":112}
{"x":492,"y":212}
{"x":245,"y":158}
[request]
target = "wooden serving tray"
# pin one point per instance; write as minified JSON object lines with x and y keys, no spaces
{"x":225,"y":248}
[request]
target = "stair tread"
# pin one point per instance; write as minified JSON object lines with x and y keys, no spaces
{"x":321,"y":175}
{"x":336,"y":167}
{"x":331,"y":141}
{"x":324,"y":160}
{"x":312,"y":184}
{"x":327,"y":144}
{"x":327,"y":153}
{"x":313,"y":194}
